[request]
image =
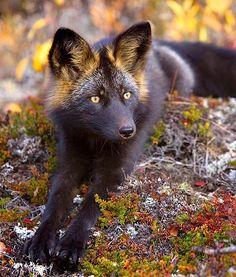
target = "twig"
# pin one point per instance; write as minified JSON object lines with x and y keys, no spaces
{"x":207,"y":152}
{"x":174,"y":81}
{"x":183,"y":102}
{"x":149,"y":161}
{"x":204,"y":119}
{"x":219,"y":126}
{"x":213,"y":252}
{"x":194,"y":156}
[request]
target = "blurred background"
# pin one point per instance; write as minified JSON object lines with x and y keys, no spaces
{"x":27,"y":27}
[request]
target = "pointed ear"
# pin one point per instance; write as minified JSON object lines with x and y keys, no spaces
{"x":70,"y":55}
{"x":131,"y":47}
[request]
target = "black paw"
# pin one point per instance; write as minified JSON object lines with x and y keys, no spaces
{"x":40,"y":246}
{"x":68,"y":251}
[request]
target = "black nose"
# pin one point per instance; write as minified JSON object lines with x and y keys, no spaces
{"x":126,"y":132}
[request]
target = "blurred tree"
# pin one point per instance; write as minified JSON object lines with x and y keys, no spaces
{"x":26,"y":27}
{"x":113,"y":16}
{"x":209,"y":20}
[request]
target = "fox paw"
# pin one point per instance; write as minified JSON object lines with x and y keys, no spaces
{"x":40,"y":246}
{"x":68,"y":251}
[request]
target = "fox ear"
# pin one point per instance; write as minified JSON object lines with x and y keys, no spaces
{"x":131,"y":47}
{"x":70,"y":55}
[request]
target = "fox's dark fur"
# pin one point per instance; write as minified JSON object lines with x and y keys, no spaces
{"x":130,"y":76}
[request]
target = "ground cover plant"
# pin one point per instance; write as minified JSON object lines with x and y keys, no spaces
{"x":176,"y":214}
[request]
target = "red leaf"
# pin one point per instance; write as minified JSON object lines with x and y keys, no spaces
{"x":27,"y":221}
{"x":8,"y":250}
{"x":200,"y":184}
{"x":186,"y":122}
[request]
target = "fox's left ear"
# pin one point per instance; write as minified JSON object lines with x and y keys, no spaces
{"x":70,"y":55}
{"x":131,"y":47}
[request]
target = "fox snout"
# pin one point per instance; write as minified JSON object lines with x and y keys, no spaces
{"x":121,"y":124}
{"x":127,"y":132}
{"x":125,"y":123}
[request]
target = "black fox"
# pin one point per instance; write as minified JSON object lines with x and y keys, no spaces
{"x":104,"y":100}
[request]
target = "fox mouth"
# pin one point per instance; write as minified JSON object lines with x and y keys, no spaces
{"x":122,"y":135}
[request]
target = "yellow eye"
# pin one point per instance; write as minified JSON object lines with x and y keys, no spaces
{"x":95,"y":99}
{"x":127,"y":95}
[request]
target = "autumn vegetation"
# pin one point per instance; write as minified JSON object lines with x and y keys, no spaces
{"x":176,"y":214}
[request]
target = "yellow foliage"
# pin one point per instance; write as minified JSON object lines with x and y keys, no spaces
{"x":176,"y":8}
{"x":39,"y":24}
{"x":229,"y":17}
{"x":202,"y":20}
{"x":9,"y":31}
{"x":208,"y":20}
{"x":185,"y":17}
{"x":106,"y":14}
{"x":203,"y":33}
{"x":211,"y":21}
{"x":21,"y":67}
{"x":40,"y":57}
{"x":13,"y":107}
{"x":219,"y":6}
{"x":59,"y":3}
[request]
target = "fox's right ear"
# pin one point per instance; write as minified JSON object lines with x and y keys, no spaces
{"x":131,"y":47}
{"x":70,"y":55}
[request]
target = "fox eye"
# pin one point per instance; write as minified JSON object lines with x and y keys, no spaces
{"x":127,"y":95}
{"x":95,"y":99}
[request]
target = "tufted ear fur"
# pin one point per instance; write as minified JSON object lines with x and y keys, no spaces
{"x":131,"y":47}
{"x":70,"y":55}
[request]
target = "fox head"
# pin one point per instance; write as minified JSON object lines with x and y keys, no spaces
{"x":97,"y":89}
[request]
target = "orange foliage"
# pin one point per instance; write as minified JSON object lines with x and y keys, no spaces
{"x":205,"y":20}
{"x":209,"y":20}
